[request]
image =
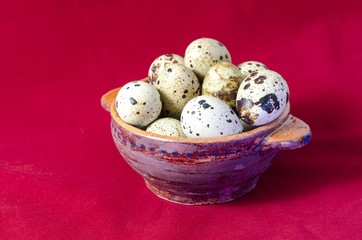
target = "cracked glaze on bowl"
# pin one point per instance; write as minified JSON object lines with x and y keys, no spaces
{"x":204,"y":171}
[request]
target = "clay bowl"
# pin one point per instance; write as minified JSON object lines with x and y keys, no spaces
{"x":204,"y":171}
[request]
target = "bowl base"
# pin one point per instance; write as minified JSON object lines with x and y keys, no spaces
{"x":220,"y":196}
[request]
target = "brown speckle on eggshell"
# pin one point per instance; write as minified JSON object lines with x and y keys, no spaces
{"x":161,"y":63}
{"x":177,"y":85}
{"x":203,"y":53}
{"x":248,"y":67}
{"x":262,"y":97}
{"x":222,"y":81}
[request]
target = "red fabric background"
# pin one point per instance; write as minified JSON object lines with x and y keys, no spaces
{"x":61,"y":175}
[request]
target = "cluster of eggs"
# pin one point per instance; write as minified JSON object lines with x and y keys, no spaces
{"x":203,"y":94}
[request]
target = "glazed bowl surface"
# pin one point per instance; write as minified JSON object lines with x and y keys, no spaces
{"x":206,"y":170}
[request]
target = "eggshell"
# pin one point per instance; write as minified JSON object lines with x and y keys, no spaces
{"x":176,"y":85}
{"x":207,"y":117}
{"x":248,"y":67}
{"x":162,"y":62}
{"x":223,"y":81}
{"x":203,"y":53}
{"x":167,"y":127}
{"x":262,"y":97}
{"x":138,"y":103}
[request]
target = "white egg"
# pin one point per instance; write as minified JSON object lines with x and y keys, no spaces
{"x":262,"y":97}
{"x":138,"y":103}
{"x":249,"y":67}
{"x":167,"y":127}
{"x":207,"y":117}
{"x":222,"y":81}
{"x":162,"y":62}
{"x":203,"y":53}
{"x":177,"y":85}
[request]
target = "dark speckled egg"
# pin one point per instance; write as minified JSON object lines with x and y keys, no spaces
{"x":138,"y":103}
{"x":177,"y":85}
{"x":161,"y":63}
{"x":203,"y":53}
{"x":249,"y":67}
{"x":262,"y":97}
{"x":167,"y":127}
{"x":208,"y":116}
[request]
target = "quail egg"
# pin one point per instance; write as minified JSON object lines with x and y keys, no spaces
{"x":203,"y":53}
{"x":138,"y":103}
{"x":262,"y":97}
{"x":222,"y":81}
{"x":166,"y":126}
{"x":249,"y":67}
{"x":160,"y":63}
{"x":177,"y":85}
{"x":208,"y":116}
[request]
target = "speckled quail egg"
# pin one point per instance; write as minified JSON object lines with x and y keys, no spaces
{"x":262,"y":97}
{"x":162,"y":62}
{"x":166,"y":126}
{"x":222,"y":81}
{"x":249,"y":67}
{"x":207,"y":117}
{"x":177,"y":85}
{"x":203,"y":53}
{"x":138,"y":103}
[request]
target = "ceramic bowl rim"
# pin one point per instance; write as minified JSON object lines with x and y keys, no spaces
{"x":267,"y":128}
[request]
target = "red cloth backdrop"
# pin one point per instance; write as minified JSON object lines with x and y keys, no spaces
{"x":61,"y":176}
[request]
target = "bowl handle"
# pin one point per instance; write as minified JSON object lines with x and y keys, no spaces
{"x":294,"y":133}
{"x":109,"y":98}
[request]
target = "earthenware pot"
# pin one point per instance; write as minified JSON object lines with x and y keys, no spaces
{"x":204,"y":171}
